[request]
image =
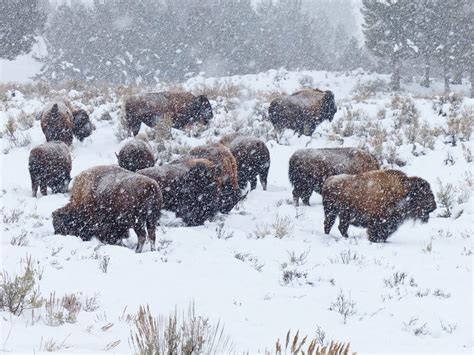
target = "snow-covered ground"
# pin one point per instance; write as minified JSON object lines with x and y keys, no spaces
{"x":411,"y":294}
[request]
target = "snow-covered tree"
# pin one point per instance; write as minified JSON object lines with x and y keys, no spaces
{"x":20,"y":22}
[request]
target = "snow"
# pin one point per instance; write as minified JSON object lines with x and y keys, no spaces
{"x":256,"y":307}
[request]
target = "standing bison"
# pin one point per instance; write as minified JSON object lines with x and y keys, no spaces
{"x":106,"y":201}
{"x":50,"y":165}
{"x":226,"y":168}
{"x":136,"y":154}
{"x":252,"y":157}
{"x":303,"y":110}
{"x":309,"y":168}
{"x":183,"y":108}
{"x":190,"y":187}
{"x":379,"y":200}
{"x":60,"y":122}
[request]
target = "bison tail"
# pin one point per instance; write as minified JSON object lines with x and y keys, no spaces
{"x":55,"y":109}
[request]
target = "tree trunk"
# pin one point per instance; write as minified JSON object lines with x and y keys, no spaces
{"x":472,"y":80}
{"x":446,"y":77}
{"x":396,"y":75}
{"x":457,"y":78}
{"x":426,"y":80}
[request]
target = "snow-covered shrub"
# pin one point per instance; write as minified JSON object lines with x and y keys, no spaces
{"x":20,"y":240}
{"x":91,"y":303}
{"x":344,"y":305}
{"x":61,"y":310}
{"x":297,"y":344}
{"x":366,"y":89}
{"x":186,"y":334}
{"x":282,"y":227}
{"x":446,"y":196}
{"x":225,"y":89}
{"x":405,"y":111}
{"x":25,"y":121}
{"x":306,"y":81}
{"x":21,"y":292}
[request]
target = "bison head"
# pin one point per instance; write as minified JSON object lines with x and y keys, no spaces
{"x":61,"y":183}
{"x":202,"y":109}
{"x":83,"y":127}
{"x":328,"y":107}
{"x":67,"y":221}
{"x":421,"y":201}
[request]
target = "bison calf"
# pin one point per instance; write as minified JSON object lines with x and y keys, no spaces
{"x":303,"y":110}
{"x":379,"y":200}
{"x":309,"y":168}
{"x":252,"y":158}
{"x":136,"y":154}
{"x":106,"y":201}
{"x":50,"y":165}
{"x":183,"y":108}
{"x":191,"y":188}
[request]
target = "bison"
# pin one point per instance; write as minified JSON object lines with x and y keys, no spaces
{"x":252,"y":157}
{"x":60,"y":122}
{"x":303,"y":110}
{"x":309,"y":168}
{"x":190,"y":188}
{"x":182,"y":107}
{"x":106,"y":201}
{"x":226,"y":167}
{"x":379,"y":200}
{"x":136,"y":154}
{"x":50,"y":165}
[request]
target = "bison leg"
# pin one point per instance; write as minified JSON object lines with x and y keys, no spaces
{"x":253,"y":182}
{"x":43,"y":188}
{"x":378,"y":232}
{"x":329,"y":219}
{"x":151,"y":229}
{"x":134,"y":125}
{"x":344,"y":224}
{"x":141,"y":234}
{"x":34,"y":187}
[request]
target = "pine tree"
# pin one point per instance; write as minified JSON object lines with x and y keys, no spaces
{"x":388,"y":33}
{"x":20,"y":22}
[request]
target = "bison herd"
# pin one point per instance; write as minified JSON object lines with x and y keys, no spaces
{"x":107,"y":201}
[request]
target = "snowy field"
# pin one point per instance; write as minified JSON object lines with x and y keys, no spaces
{"x":267,"y":267}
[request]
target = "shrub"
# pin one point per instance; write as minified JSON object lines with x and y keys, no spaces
{"x":283,"y":227}
{"x":226,"y":89}
{"x":446,"y":196}
{"x":189,"y":334}
{"x":344,"y":305}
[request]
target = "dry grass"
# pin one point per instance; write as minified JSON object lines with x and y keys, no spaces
{"x":225,"y":89}
{"x":188,"y":334}
{"x":303,"y":345}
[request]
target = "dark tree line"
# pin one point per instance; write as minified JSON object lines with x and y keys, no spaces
{"x":431,"y":32}
{"x":144,"y":41}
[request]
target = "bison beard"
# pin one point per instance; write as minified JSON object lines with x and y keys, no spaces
{"x":378,"y":200}
{"x":106,"y":201}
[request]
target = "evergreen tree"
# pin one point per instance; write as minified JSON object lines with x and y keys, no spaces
{"x":387,"y":32}
{"x":20,"y":22}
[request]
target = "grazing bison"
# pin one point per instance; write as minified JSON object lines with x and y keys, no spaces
{"x":183,"y":108}
{"x":60,"y":122}
{"x":190,"y":188}
{"x":252,"y":157}
{"x":57,"y":122}
{"x":83,"y":126}
{"x":379,"y":200}
{"x":303,"y":110}
{"x":309,"y":168}
{"x":50,"y":165}
{"x":136,"y":154}
{"x":226,"y":168}
{"x":106,"y":201}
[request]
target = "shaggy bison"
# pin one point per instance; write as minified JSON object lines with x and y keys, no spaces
{"x":106,"y":201}
{"x":190,"y":188}
{"x":309,"y":168}
{"x":379,"y":200}
{"x":252,"y":157}
{"x":60,"y":122}
{"x":182,"y":107}
{"x":136,"y":154}
{"x":50,"y":165}
{"x":303,"y":110}
{"x":226,"y":168}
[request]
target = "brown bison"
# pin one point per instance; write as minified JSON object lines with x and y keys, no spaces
{"x":303,"y":110}
{"x":252,"y":157}
{"x":183,"y":108}
{"x":226,"y":168}
{"x":190,"y":188}
{"x":379,"y":200}
{"x":136,"y":154}
{"x":106,"y":201}
{"x":50,"y":165}
{"x":309,"y":168}
{"x":60,"y":122}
